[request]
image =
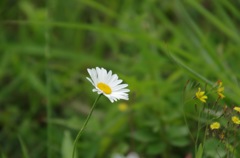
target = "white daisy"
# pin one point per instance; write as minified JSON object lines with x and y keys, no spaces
{"x":107,"y":84}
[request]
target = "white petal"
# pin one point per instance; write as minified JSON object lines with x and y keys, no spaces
{"x":113,"y":79}
{"x":109,"y":76}
{"x":111,"y":98}
{"x":90,"y":81}
{"x":93,"y":75}
{"x":125,"y":97}
{"x":101,"y":73}
{"x":99,"y":76}
{"x":121,"y":86}
{"x":123,"y":90}
{"x":115,"y":83}
{"x":105,"y":75}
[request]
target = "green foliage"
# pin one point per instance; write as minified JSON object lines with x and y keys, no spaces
{"x":199,"y":151}
{"x":154,"y":46}
{"x":67,"y":145}
{"x":24,"y":148}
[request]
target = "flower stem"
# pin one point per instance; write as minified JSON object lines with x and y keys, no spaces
{"x":199,"y":127}
{"x":84,"y":125}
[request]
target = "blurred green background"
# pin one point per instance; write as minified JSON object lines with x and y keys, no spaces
{"x":47,"y":46}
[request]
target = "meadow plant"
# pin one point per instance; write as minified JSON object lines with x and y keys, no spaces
{"x":107,"y":84}
{"x":217,"y":123}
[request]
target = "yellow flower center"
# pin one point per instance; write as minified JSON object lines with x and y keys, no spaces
{"x":104,"y":87}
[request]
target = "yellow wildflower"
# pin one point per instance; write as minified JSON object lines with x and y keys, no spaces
{"x":215,"y":125}
{"x":237,"y":109}
{"x":200,"y":95}
{"x":220,"y":90}
{"x":235,"y":120}
{"x":123,"y":107}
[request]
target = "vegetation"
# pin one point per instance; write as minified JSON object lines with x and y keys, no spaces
{"x":164,"y":50}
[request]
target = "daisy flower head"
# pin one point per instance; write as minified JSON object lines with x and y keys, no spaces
{"x":201,"y":95}
{"x":108,"y":84}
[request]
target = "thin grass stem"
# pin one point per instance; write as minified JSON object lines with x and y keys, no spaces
{"x":198,"y":127}
{"x":48,"y":89}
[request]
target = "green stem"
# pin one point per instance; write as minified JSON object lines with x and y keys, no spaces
{"x":84,"y":125}
{"x":185,"y":120}
{"x":183,"y":111}
{"x":198,"y":127}
{"x":48,"y":88}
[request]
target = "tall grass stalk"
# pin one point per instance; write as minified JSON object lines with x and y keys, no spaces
{"x":184,"y":114}
{"x":198,"y":128}
{"x":48,"y":86}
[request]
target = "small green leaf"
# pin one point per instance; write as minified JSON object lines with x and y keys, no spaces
{"x":199,"y":151}
{"x":143,"y":136}
{"x":24,"y":148}
{"x":179,"y":142}
{"x":67,"y":145}
{"x":3,"y":155}
{"x":156,"y":148}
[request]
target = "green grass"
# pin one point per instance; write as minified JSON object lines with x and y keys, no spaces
{"x":154,"y":46}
